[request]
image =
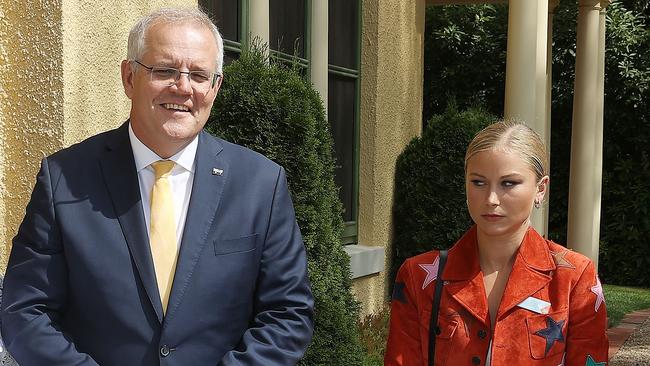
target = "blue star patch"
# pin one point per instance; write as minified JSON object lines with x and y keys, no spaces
{"x":591,"y":362}
{"x":398,"y":292}
{"x":552,"y":333}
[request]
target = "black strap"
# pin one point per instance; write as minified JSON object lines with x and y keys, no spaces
{"x":434,"y":329}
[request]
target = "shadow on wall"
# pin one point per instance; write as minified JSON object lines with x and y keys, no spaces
{"x":5,"y":357}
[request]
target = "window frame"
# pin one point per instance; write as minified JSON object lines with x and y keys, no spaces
{"x":350,"y":229}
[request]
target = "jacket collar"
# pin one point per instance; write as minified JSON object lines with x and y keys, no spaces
{"x":463,"y":262}
{"x":465,"y":280}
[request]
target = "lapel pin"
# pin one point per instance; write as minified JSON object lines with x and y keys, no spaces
{"x":217,"y":171}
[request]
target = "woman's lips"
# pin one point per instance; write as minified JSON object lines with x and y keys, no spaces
{"x":492,"y":217}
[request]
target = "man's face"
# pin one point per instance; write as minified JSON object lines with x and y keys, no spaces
{"x":167,"y":118}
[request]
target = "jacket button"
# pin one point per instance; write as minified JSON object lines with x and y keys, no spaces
{"x":482,"y":334}
{"x":164,"y":351}
{"x":476,"y":360}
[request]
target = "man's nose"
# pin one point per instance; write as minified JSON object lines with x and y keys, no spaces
{"x":183,"y":84}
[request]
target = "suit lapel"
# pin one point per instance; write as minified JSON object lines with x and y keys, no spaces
{"x":530,"y":272}
{"x":206,"y":194}
{"x":121,"y":180}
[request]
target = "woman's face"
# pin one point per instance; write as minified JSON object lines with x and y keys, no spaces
{"x":501,"y":191}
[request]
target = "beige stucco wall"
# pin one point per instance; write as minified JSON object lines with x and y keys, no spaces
{"x":31,"y":102}
{"x":94,"y":44}
{"x":391,"y":115}
{"x":59,"y":83}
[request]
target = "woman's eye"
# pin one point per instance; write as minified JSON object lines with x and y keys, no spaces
{"x":509,"y":183}
{"x":478,"y":183}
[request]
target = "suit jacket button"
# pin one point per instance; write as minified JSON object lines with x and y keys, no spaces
{"x":476,"y":360}
{"x":482,"y":334}
{"x":164,"y":351}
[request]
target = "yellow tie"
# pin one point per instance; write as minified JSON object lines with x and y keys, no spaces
{"x":162,"y":234}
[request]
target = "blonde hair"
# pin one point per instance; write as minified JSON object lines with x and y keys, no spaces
{"x":136,"y":44}
{"x":514,"y":137}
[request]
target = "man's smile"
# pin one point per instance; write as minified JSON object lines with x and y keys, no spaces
{"x":176,"y":107}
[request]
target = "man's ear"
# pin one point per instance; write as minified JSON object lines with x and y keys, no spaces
{"x":127,"y":78}
{"x":218,"y":86}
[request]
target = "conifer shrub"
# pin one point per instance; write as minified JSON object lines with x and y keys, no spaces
{"x":270,"y":108}
{"x":430,"y":210}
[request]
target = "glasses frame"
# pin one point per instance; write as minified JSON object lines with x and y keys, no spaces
{"x":214,"y":75}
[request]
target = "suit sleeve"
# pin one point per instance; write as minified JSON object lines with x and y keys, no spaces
{"x":283,"y":325}
{"x":404,"y":346}
{"x":35,"y":287}
{"x":587,"y":337}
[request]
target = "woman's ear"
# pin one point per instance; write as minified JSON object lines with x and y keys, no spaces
{"x":542,"y":188}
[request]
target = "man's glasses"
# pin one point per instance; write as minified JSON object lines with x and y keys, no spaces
{"x":201,"y":81}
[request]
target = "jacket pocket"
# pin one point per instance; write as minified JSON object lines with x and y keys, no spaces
{"x":444,"y":339}
{"x":236,"y":245}
{"x":547,"y":334}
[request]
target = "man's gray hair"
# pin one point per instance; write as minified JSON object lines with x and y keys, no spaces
{"x":136,"y":45}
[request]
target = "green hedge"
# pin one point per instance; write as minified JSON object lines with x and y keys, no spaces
{"x":430,"y":208}
{"x":457,"y":36}
{"x":271,"y":109}
{"x":625,"y":214}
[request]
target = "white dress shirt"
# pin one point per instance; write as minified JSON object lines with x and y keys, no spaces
{"x":181,"y":179}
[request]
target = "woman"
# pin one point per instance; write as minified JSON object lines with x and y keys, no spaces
{"x":510,"y":297}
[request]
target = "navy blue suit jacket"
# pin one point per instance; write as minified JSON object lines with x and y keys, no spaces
{"x":80,"y":287}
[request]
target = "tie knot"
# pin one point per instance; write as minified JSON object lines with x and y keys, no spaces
{"x":162,"y":168}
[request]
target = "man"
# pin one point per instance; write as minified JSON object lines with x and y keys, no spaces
{"x":156,"y":243}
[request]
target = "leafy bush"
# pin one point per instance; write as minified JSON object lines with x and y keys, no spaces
{"x":374,"y":334}
{"x":271,"y":109}
{"x":465,"y":52}
{"x":456,"y":37}
{"x":625,"y":220}
{"x":430,"y":209}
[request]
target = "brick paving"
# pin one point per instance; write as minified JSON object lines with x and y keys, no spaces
{"x":619,"y":335}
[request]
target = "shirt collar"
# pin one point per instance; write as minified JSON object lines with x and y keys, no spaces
{"x":143,"y":156}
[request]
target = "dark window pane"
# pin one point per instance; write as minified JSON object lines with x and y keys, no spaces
{"x":229,"y":57}
{"x":225,"y":14}
{"x":341,"y":114}
{"x":343,"y":26}
{"x":287,"y":26}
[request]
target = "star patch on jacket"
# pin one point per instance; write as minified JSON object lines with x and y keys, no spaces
{"x":432,"y":272}
{"x":598,"y":291}
{"x":552,"y":333}
{"x":560,"y":260}
{"x":591,"y":362}
{"x":398,"y":293}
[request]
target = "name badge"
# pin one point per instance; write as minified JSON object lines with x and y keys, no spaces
{"x":535,"y":305}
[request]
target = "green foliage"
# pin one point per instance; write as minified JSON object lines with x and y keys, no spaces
{"x":465,"y":61}
{"x":624,"y":300}
{"x":430,"y":209}
{"x":271,"y":109}
{"x":625,"y":223}
{"x":374,"y":334}
{"x":465,"y":52}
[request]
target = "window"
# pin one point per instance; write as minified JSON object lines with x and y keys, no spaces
{"x":343,"y":104}
{"x":288,"y":31}
{"x":289,"y":37}
{"x":229,"y":17}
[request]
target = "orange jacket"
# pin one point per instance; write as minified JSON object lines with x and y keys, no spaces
{"x":569,"y":332}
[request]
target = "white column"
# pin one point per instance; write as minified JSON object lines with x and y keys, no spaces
{"x":259,"y":20}
{"x":598,"y":130}
{"x":526,"y":68}
{"x":586,"y":134}
{"x":319,"y":44}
